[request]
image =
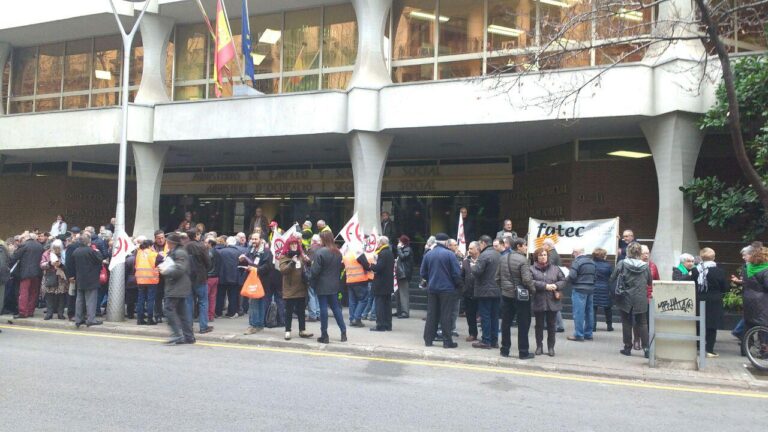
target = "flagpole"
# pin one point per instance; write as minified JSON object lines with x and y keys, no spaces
{"x":207,"y":21}
{"x":242,"y":32}
{"x":232,"y":38}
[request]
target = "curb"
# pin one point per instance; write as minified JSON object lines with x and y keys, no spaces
{"x":650,"y":376}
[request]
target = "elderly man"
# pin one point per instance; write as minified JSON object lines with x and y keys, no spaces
{"x":178,"y":286}
{"x":229,"y":278}
{"x":582,"y":279}
{"x":322,"y":226}
{"x":506,"y":230}
{"x":487,"y":293}
{"x":27,"y":258}
{"x":441,"y":271}
{"x":83,"y":266}
{"x":514,"y":271}
{"x":627,"y":238}
{"x":383,"y":283}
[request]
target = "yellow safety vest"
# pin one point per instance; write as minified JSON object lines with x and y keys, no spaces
{"x":146,"y":271}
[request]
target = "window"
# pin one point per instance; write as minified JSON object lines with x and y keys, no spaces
{"x":107,"y":67}
{"x":414,"y":29}
{"x":461,"y":27}
{"x":77,"y":74}
{"x":509,"y":24}
{"x":24,"y":65}
{"x":301,"y":49}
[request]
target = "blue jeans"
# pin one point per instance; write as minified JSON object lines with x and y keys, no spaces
{"x":256,"y":312}
{"x":146,"y":295}
{"x":738,"y":331}
{"x":312,"y":304}
{"x":201,"y":292}
{"x":358,"y":294}
{"x":370,"y":305}
{"x":332,"y":301}
{"x":488,"y":309}
{"x":583,"y":315}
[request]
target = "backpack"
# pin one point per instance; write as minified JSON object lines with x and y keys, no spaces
{"x":271,"y":319}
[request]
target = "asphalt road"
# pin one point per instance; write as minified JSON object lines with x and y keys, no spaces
{"x":62,"y":381}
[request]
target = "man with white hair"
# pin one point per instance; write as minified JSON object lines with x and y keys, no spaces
{"x":322,"y":226}
{"x":27,"y":258}
{"x":582,"y":279}
{"x":383,"y":283}
{"x":229,"y":278}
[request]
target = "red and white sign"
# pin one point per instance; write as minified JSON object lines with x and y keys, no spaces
{"x":351,"y":232}
{"x":122,"y":247}
{"x":279,"y":242}
{"x":372,"y":241}
{"x":460,"y":239}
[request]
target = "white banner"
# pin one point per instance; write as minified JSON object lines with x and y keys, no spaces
{"x":460,"y":238}
{"x":566,"y":235}
{"x":121,"y":248}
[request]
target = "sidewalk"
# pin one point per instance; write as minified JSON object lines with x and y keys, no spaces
{"x":598,"y":358}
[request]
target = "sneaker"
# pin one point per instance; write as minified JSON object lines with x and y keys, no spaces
{"x":712,"y":355}
{"x":481,"y":345}
{"x":252,"y":330}
{"x":575,"y":339}
{"x":305,"y":335}
{"x":626,"y":351}
{"x":287,"y":335}
{"x":206,"y":330}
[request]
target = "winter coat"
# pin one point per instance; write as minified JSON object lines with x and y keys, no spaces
{"x":404,"y":263}
{"x":388,"y":230}
{"x":49,"y":270}
{"x":130,"y":272}
{"x":177,"y":281}
{"x":602,"y":297}
{"x":636,"y":277}
{"x":293,"y":281}
{"x":514,"y":271}
{"x":582,"y":274}
{"x":544,"y":300}
{"x":467,"y":289}
{"x":677,"y":275}
{"x":215,"y":268}
{"x":325,"y":273}
{"x":5,"y":266}
{"x":84,"y":264}
{"x":554,"y":258}
{"x":756,"y":299}
{"x":28,"y":257}
{"x":383,"y":280}
{"x":229,"y":274}
{"x":199,"y":262}
{"x":485,"y":274}
{"x":717,"y":286}
{"x":441,"y":270}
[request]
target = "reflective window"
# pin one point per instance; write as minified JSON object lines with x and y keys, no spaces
{"x":461,"y":27}
{"x":301,"y":48}
{"x":49,"y":69}
{"x":336,"y":81}
{"x":24,"y":65}
{"x":191,"y":56}
{"x":460,"y":69}
{"x":402,"y":74}
{"x":77,"y":66}
{"x":267,"y":40}
{"x":414,"y":29}
{"x":339,"y":36}
{"x":509,"y":24}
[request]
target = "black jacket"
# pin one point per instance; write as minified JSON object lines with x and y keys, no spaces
{"x":404,"y":262}
{"x":485,"y":274}
{"x":5,"y":267}
{"x":199,"y":262}
{"x":384,"y":280}
{"x":325,"y":273}
{"x":228,"y":272}
{"x":28,"y":256}
{"x":388,"y":230}
{"x":84,"y":264}
{"x":215,"y":267}
{"x":177,"y":281}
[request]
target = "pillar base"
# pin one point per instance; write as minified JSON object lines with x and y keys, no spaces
{"x":150,"y":162}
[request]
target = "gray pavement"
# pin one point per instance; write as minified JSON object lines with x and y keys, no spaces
{"x":63,"y":381}
{"x":599,"y":358}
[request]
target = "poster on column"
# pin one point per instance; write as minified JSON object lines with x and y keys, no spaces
{"x":566,"y":235}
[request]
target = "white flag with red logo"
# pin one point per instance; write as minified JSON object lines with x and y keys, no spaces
{"x":121,"y":248}
{"x":352,"y":233}
{"x":460,"y":239}
{"x":372,"y":241}
{"x":279,"y":242}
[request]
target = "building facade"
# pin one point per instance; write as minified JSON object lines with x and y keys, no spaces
{"x":409,"y":106}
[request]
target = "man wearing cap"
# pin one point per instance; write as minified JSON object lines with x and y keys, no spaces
{"x":441,"y":271}
{"x":178,"y":286}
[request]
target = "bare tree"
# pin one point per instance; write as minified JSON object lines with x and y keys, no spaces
{"x":607,"y":33}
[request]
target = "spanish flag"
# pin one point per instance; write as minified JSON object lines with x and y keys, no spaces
{"x":225,"y":48}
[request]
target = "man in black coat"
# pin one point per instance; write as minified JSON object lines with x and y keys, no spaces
{"x":27,"y":257}
{"x":383,"y":283}
{"x":178,"y":287}
{"x":388,"y":229}
{"x":83,"y":266}
{"x":229,"y":278}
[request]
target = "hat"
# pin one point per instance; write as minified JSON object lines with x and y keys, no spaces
{"x":174,"y":238}
{"x":442,"y":237}
{"x":273,"y":224}
{"x":75,"y":230}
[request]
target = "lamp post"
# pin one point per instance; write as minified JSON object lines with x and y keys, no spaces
{"x":116,"y":304}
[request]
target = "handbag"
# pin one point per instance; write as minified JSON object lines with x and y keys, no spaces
{"x":620,"y":284}
{"x":103,"y":275}
{"x":51,"y":279}
{"x":252,"y":288}
{"x":523,"y":294}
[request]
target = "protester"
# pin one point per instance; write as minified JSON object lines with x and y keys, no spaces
{"x":131,"y":289}
{"x":357,"y":279}
{"x":306,"y":235}
{"x":470,"y":303}
{"x":627,"y":238}
{"x":404,"y":273}
{"x":147,"y":279}
{"x":229,"y":278}
{"x":711,"y":286}
{"x":178,"y":287}
{"x":686,"y":270}
{"x":441,"y":271}
{"x":292,"y":265}
{"x":55,"y":285}
{"x":260,"y":257}
{"x":258,"y":220}
{"x":313,"y":305}
{"x":603,"y":296}
{"x":5,"y":272}
{"x":161,"y":247}
{"x":554,"y":259}
{"x":59,"y":227}
{"x":323,"y":227}
{"x":325,"y":277}
{"x":84,"y":266}
{"x":755,"y":291}
{"x":199,"y":263}
{"x":517,"y":289}
{"x":27,"y":257}
{"x":469,"y":224}
{"x":582,"y":279}
{"x":632,"y":277}
{"x":549,"y":283}
{"x":213,"y":276}
{"x":506,"y":230}
{"x":383,"y":284}
{"x":487,"y":293}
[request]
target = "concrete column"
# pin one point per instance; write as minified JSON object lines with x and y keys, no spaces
{"x":149,"y":160}
{"x":5,"y":53}
{"x":675,"y":140}
{"x":368,"y":152}
{"x":370,"y":68}
{"x":155,"y":34}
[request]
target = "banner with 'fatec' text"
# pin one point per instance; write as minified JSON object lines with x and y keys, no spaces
{"x":566,"y":235}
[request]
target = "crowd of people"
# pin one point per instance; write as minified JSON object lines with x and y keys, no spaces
{"x":498,"y":283}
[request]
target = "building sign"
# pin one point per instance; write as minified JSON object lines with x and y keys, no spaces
{"x":426,"y":178}
{"x":567,"y":235}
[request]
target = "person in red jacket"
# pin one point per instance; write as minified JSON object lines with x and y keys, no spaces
{"x":646,"y":257}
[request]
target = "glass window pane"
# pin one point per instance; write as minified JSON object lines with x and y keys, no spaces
{"x":460,"y":69}
{"x":302,"y":41}
{"x":268,"y":86}
{"x":24,"y":63}
{"x":339,"y":36}
{"x":77,"y":65}
{"x":21,"y":107}
{"x":226,"y":90}
{"x":414,"y":29}
{"x":191,"y":54}
{"x":511,"y":24}
{"x":337,"y":81}
{"x":266,"y":38}
{"x":105,"y":99}
{"x":413,"y":73}
{"x":137,"y":61}
{"x":169,"y":66}
{"x":107,"y":61}
{"x":50,"y":104}
{"x":5,"y":85}
{"x":555,"y":13}
{"x":191,"y":93}
{"x":49,"y":69}
{"x":508,"y":64}
{"x":75,"y":102}
{"x":461,"y":26}
{"x":300,"y":83}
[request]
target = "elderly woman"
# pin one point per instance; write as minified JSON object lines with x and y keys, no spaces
{"x":549,"y":282}
{"x":632,"y":277}
{"x":54,"y":286}
{"x":686,"y":270}
{"x":711,"y":286}
{"x":602,"y":299}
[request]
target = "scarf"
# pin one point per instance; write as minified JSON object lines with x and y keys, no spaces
{"x":753,"y":269}
{"x":683,"y":270}
{"x":704,"y":267}
{"x":381,"y":248}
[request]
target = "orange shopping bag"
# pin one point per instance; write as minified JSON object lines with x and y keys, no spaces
{"x":252,"y":288}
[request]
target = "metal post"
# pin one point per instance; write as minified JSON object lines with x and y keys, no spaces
{"x":116,"y":304}
{"x":702,"y":333}
{"x":652,"y":333}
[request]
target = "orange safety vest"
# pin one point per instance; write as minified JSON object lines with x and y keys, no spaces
{"x":354,"y":270}
{"x":146,"y":271}
{"x":370,"y":273}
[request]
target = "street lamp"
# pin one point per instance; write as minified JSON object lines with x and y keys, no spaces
{"x":116,"y":304}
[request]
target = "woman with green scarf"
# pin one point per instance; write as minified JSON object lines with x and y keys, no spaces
{"x":686,"y":270}
{"x":756,"y":290}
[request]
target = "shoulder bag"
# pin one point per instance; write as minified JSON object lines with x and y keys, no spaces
{"x":522,"y":293}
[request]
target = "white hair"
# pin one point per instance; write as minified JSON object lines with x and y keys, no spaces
{"x":316,"y":238}
{"x":57,"y":244}
{"x":383,"y":240}
{"x":231,"y":241}
{"x":549,"y":242}
{"x":686,"y":257}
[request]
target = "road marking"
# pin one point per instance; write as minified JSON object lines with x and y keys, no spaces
{"x":427,"y":363}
